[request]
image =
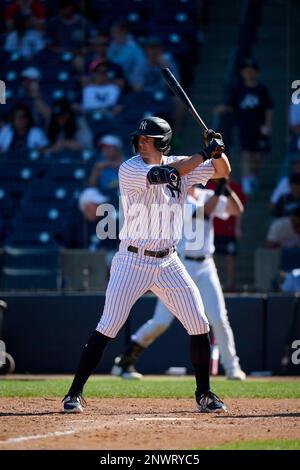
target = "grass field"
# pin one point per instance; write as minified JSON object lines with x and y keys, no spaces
{"x":272,"y":444}
{"x":156,"y":412}
{"x":158,"y":387}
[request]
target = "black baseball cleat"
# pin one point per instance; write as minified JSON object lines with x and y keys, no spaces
{"x":73,"y":403}
{"x":209,"y":403}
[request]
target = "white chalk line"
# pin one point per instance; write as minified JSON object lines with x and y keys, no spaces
{"x":160,"y":419}
{"x":15,"y":440}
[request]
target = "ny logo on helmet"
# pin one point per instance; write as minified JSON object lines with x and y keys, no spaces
{"x":143,"y":125}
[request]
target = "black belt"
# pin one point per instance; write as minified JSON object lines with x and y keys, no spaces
{"x":197,"y":258}
{"x":154,"y":254}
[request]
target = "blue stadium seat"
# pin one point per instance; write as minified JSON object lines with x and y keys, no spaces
{"x":30,"y":258}
{"x":43,"y":213}
{"x":100,"y":124}
{"x":70,"y":156}
{"x":136,"y":104}
{"x":30,"y":279}
{"x":62,"y":195}
{"x":33,"y":238}
{"x":51,"y":60}
{"x":20,"y":171}
{"x":7,"y":205}
{"x":69,"y":172}
{"x":20,"y":157}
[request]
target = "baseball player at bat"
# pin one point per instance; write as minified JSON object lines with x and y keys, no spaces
{"x":199,"y":263}
{"x":147,"y":259}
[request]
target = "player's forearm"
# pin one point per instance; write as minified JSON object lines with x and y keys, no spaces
{"x":235,"y":206}
{"x":210,"y":206}
{"x":185,"y":166}
{"x":222,"y":167}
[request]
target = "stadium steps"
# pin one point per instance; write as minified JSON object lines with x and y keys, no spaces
{"x":207,"y":90}
{"x":275,"y":50}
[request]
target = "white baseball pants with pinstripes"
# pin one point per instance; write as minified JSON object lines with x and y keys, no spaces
{"x":132,"y":275}
{"x":206,"y":278}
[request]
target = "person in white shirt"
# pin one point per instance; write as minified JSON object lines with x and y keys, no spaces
{"x":24,"y":40}
{"x":101,"y":94}
{"x":21,"y":135}
{"x":201,"y":267}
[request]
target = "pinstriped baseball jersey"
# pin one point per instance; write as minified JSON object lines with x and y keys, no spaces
{"x":141,"y":202}
{"x":133,"y":274}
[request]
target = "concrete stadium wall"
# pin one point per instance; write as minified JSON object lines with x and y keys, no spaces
{"x":45,"y":333}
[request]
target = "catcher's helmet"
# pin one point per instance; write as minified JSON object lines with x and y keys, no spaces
{"x":153,"y":127}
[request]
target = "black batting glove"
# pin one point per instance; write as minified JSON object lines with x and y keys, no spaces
{"x":210,"y":134}
{"x":214,"y":149}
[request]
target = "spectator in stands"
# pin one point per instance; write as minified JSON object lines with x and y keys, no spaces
{"x":283,"y":187}
{"x":82,"y":225}
{"x":124,"y":50}
{"x":251,"y":102}
{"x":287,"y":203}
{"x":98,"y":55}
{"x":66,"y":132}
{"x":147,"y":74}
{"x":89,"y":200}
{"x":21,"y":135}
{"x":69,"y":31}
{"x":31,"y":95}
{"x":80,"y":231}
{"x":147,"y":77}
{"x":24,"y":39}
{"x":33,"y":8}
{"x":294,"y":123}
{"x":101,"y":93}
{"x":285,"y":231}
{"x":227,"y":235}
{"x":104,"y":174}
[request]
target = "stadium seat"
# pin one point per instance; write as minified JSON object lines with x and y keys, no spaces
{"x":69,"y":172}
{"x":20,"y":171}
{"x":69,"y":156}
{"x":30,"y":279}
{"x":35,"y":237}
{"x":61,"y":194}
{"x":7,"y":205}
{"x":30,"y":258}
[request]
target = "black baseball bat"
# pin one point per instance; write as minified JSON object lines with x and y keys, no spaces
{"x":178,"y":91}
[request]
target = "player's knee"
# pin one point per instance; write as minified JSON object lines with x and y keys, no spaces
{"x":154,"y":330}
{"x":219,"y":320}
{"x":107,"y":330}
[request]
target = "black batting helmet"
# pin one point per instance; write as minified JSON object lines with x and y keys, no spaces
{"x":154,"y":127}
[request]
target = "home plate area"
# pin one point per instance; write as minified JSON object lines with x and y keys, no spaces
{"x":139,"y":423}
